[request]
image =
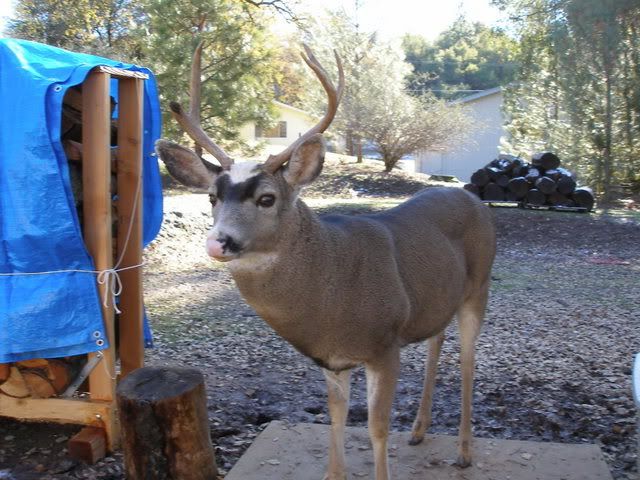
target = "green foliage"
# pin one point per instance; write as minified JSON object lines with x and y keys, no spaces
{"x":237,"y":66}
{"x":578,"y":90}
{"x":467,"y":56}
{"x":376,"y":107}
{"x":101,"y":27}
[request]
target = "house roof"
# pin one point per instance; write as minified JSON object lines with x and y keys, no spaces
{"x":478,"y":95}
{"x":289,"y":107}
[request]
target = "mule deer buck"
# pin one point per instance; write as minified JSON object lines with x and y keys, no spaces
{"x":347,"y":290}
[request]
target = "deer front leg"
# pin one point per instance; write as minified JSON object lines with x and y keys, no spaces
{"x":423,"y":417}
{"x":382,"y":376}
{"x":338,"y":389}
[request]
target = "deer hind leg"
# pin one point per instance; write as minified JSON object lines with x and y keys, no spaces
{"x":338,"y":389}
{"x":470,"y":317}
{"x":423,"y":417}
{"x":382,"y":376}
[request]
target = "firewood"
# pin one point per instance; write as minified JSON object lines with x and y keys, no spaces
{"x":503,"y":180}
{"x":470,"y":187}
{"x":566,"y":185}
{"x":535,"y":197}
{"x":480,"y":177}
{"x":39,"y":385}
{"x":14,"y":386}
{"x":5,"y":370}
{"x":532,"y":175}
{"x":493,"y":191}
{"x":518,"y":186}
{"x":583,"y":197}
{"x":546,"y":185}
{"x":545,"y":160}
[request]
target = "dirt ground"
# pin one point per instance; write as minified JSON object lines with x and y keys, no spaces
{"x":553,"y":363}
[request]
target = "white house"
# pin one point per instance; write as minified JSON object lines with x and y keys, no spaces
{"x":486,"y":109}
{"x":292,"y":123}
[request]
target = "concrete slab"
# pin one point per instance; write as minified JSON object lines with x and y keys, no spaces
{"x":299,"y":452}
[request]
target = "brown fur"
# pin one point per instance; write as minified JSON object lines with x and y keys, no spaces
{"x":349,"y":290}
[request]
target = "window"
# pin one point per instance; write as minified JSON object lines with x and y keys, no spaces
{"x":278,"y":131}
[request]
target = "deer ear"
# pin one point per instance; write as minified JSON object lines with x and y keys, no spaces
{"x":306,"y":162}
{"x":187,"y":167}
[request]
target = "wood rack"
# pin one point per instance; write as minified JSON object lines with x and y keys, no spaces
{"x":99,"y":409}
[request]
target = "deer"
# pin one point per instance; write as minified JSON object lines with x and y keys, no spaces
{"x":345,"y":290}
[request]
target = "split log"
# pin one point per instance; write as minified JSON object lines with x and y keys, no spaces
{"x":535,"y":197}
{"x":480,"y":177}
{"x":545,"y":160}
{"x":165,"y":428}
{"x":518,"y":186}
{"x":14,"y":386}
{"x":493,"y":192}
{"x":470,"y":187}
{"x":546,"y":185}
{"x":584,"y":198}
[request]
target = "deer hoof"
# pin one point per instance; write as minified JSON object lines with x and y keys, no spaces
{"x":416,"y":439}
{"x":463,"y":461}
{"x":331,"y":476}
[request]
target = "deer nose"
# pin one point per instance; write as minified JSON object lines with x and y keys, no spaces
{"x":215,"y":248}
{"x":222,"y":247}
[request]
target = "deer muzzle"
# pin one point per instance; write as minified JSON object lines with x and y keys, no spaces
{"x":222,"y":248}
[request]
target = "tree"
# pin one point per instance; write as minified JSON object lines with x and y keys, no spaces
{"x":236,"y":61}
{"x":467,"y":56}
{"x":102,"y":27}
{"x":399,"y":124}
{"x":375,"y":106}
{"x":577,"y":92}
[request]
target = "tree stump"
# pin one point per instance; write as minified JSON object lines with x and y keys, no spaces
{"x":165,"y":427}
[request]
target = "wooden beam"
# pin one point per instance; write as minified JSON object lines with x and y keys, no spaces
{"x":96,"y":180}
{"x":130,"y":140}
{"x":58,"y":410}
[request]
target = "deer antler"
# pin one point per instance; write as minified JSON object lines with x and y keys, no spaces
{"x":334,"y":96}
{"x":190,"y":121}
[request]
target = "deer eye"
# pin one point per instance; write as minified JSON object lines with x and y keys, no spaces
{"x":266,"y":200}
{"x":213,"y":199}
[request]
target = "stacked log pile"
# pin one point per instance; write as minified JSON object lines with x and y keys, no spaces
{"x":44,"y":378}
{"x":539,"y":183}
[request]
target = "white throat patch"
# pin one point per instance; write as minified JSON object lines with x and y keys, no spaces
{"x":241,"y":172}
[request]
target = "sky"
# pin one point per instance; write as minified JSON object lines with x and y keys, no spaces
{"x":394,"y":18}
{"x":390,"y":18}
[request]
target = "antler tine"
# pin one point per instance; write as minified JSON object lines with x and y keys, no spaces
{"x":190,"y":122}
{"x":334,"y":96}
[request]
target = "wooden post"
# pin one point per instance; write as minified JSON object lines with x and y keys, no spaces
{"x":131,"y":347}
{"x":165,"y":427}
{"x":96,"y":178}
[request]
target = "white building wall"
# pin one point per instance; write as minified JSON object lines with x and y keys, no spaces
{"x":482,"y":148}
{"x":298,"y":122}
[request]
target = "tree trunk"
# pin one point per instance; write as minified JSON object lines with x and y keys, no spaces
{"x":165,"y":428}
{"x":358,"y":144}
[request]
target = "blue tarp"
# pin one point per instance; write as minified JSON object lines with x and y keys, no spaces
{"x":56,"y":314}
